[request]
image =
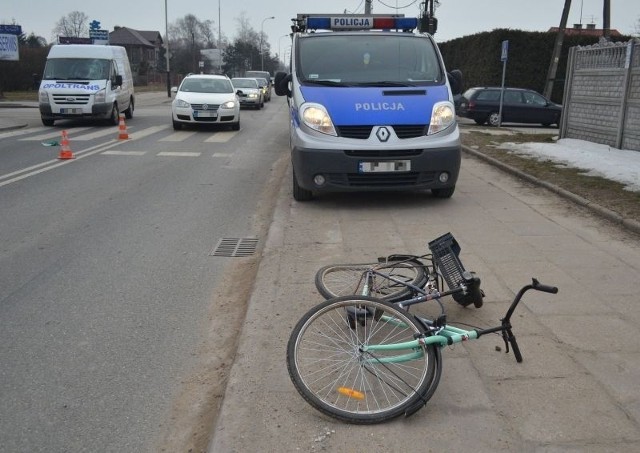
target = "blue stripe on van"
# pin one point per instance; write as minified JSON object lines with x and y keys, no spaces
{"x":367,"y":105}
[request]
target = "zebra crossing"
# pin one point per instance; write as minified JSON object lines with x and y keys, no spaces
{"x":87,"y":134}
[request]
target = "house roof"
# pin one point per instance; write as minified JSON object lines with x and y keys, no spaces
{"x":122,"y":36}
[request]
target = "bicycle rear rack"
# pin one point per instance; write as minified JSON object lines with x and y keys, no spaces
{"x":445,"y":251}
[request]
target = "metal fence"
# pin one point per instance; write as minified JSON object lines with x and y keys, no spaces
{"x":602,"y":94}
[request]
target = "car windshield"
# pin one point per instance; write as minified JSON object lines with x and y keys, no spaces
{"x":204,"y":85}
{"x":368,"y":59}
{"x":76,"y":69}
{"x":245,"y":83}
{"x":262,"y":82}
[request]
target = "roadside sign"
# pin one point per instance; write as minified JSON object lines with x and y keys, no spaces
{"x":11,"y":29}
{"x":505,"y":50}
{"x":9,"y":49}
{"x":99,"y":34}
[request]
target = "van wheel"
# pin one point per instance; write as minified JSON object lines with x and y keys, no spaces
{"x":494,"y":119}
{"x":443,"y":193}
{"x":129,"y":112}
{"x":299,"y":193}
{"x":47,"y":121}
{"x":114,"y":119}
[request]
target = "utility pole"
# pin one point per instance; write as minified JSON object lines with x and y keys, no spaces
{"x":557,"y":48}
{"x":606,"y":16}
{"x":367,"y":6}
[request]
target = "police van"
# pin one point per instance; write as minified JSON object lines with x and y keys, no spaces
{"x":86,"y":81}
{"x":371,"y":107}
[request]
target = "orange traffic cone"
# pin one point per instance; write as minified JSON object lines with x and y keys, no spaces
{"x":65,"y":150}
{"x":122,"y":129}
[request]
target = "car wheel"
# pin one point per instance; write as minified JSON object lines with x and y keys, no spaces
{"x":443,"y":193}
{"x":114,"y":119}
{"x":176,"y":126}
{"x":129,"y":112}
{"x":494,"y":119}
{"x":47,"y":121}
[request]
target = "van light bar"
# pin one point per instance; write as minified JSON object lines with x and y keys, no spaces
{"x":361,"y":23}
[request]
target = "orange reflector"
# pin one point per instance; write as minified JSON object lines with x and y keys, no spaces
{"x":351,"y":393}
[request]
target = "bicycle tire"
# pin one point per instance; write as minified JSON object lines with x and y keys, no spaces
{"x":330,"y":370}
{"x":347,"y":279}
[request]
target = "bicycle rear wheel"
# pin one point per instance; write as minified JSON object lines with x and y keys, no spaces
{"x":347,"y":279}
{"x":331,"y":368}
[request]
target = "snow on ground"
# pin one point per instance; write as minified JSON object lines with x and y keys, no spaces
{"x":597,"y":160}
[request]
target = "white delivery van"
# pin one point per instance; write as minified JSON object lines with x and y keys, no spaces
{"x":371,"y":107}
{"x":86,"y":81}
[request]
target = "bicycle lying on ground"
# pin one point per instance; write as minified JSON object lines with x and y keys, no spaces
{"x":399,"y":277}
{"x":362,"y":359}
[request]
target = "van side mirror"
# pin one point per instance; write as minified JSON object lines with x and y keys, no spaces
{"x":455,"y":81}
{"x":118,"y":80}
{"x":281,"y":84}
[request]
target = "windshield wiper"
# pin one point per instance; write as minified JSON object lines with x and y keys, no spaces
{"x":330,"y":83}
{"x":384,"y":83}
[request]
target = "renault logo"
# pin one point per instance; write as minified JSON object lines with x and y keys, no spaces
{"x":205,"y":106}
{"x":383,"y":134}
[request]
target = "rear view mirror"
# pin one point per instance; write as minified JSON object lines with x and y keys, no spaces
{"x":455,"y":81}
{"x":281,"y":84}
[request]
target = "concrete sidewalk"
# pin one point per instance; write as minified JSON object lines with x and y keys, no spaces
{"x":577,"y":389}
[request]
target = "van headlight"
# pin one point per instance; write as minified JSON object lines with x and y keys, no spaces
{"x":101,"y":96}
{"x":316,"y":117}
{"x":442,"y":116}
{"x":43,"y":97}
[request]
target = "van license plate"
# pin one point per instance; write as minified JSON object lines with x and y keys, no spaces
{"x":71,"y":111}
{"x":384,"y":166}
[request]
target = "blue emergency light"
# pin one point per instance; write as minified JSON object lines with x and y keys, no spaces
{"x":361,"y":23}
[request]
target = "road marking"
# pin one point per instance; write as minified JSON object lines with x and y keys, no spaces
{"x":177,"y":154}
{"x":97,"y":134}
{"x":221,"y":137}
{"x":124,"y":153}
{"x":178,"y":136}
{"x":25,"y":131}
{"x":56,"y":134}
{"x":148,"y":131}
{"x":222,"y":154}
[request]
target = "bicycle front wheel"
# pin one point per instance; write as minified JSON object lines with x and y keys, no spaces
{"x":349,"y":279}
{"x":332,"y":363}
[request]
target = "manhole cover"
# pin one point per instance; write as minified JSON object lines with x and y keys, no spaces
{"x":234,"y":247}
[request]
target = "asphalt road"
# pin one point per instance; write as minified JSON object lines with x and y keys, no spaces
{"x":108,"y":287}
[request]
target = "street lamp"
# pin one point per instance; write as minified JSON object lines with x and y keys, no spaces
{"x":166,"y":36}
{"x":280,"y":56}
{"x":261,"y":32}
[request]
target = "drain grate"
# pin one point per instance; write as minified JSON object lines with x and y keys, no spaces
{"x":235,"y":247}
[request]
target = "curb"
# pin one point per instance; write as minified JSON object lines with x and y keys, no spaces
{"x":630,"y":224}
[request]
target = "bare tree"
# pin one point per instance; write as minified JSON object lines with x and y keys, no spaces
{"x":75,"y":24}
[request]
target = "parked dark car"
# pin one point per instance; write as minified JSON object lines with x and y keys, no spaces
{"x":519,"y":105}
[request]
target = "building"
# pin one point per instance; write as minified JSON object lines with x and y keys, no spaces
{"x":586,"y":30}
{"x":144,"y":51}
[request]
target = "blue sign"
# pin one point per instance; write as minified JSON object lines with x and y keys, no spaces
{"x":505,"y":50}
{"x":11,"y":29}
{"x":95,"y":25}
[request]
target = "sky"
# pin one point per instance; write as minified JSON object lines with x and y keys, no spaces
{"x":456,"y":18}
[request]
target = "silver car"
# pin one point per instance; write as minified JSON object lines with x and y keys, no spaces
{"x":248,"y":92}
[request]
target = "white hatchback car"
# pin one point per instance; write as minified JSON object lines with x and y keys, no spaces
{"x":205,"y":99}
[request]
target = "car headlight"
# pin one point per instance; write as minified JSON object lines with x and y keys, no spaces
{"x":100,"y":96}
{"x":316,"y":117}
{"x":228,"y":105}
{"x":43,"y":97}
{"x":442,"y":116}
{"x":182,"y":104}
{"x":252,"y":95}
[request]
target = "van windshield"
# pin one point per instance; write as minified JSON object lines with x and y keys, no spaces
{"x":370,"y":59}
{"x":77,"y":69}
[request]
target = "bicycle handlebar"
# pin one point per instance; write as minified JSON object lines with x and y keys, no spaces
{"x":507,"y":334}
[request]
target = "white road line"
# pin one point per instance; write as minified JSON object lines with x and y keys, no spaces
{"x":124,"y":153}
{"x":178,"y":154}
{"x":57,"y":134}
{"x":29,"y":130}
{"x":221,"y":137}
{"x":101,"y":133}
{"x":148,"y":131}
{"x":178,"y":136}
